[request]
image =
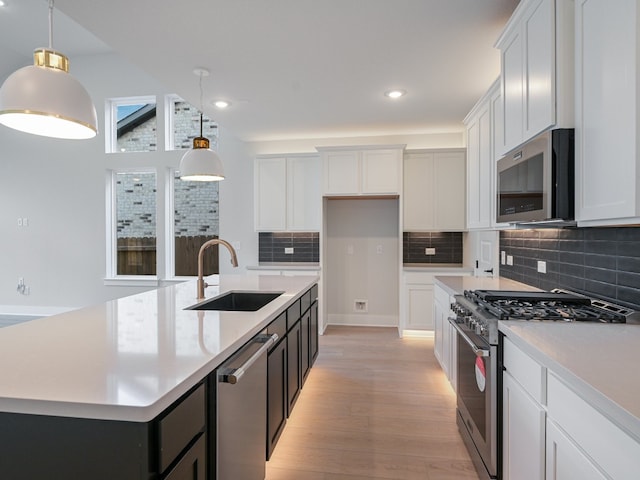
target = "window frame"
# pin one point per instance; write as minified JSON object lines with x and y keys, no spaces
{"x":170,"y":257}
{"x":111,"y":119}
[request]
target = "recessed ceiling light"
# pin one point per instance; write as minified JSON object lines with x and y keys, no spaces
{"x":221,"y":103}
{"x":3,"y":3}
{"x":395,"y":93}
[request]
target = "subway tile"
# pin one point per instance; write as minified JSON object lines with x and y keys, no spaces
{"x":600,"y":246}
{"x":600,"y":261}
{"x":628,"y":264}
{"x":626,"y":279}
{"x":629,"y":296}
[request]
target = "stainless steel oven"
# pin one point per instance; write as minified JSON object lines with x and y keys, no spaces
{"x":477,"y":393}
{"x":479,"y":356}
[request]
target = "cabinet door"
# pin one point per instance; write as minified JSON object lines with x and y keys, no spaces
{"x":450,"y":192}
{"x":479,"y":169}
{"x":565,"y":461}
{"x":304,"y":200}
{"x":539,"y":93}
{"x":419,"y":175}
{"x":381,"y":170}
{"x":606,"y":110}
{"x":453,"y":354}
{"x":294,"y":358}
{"x":313,"y":334}
{"x":276,"y":394}
{"x":341,"y":173}
{"x":523,"y":430}
{"x":512,"y":90}
{"x":439,"y":319}
{"x":305,"y":325}
{"x":420,"y":307}
{"x":270,"y":194}
{"x":192,"y":466}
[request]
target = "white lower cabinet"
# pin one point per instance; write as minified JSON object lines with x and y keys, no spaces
{"x":565,"y":460}
{"x":420,"y":313}
{"x":523,"y":422}
{"x":551,"y":433}
{"x":445,"y":342}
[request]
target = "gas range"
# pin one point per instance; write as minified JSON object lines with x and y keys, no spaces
{"x":480,"y":310}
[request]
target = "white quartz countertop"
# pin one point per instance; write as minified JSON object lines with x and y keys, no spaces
{"x":458,"y":284}
{"x":130,"y":358}
{"x":598,"y":361}
{"x":286,"y":266}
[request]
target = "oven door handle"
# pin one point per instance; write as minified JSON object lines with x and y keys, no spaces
{"x":480,"y":352}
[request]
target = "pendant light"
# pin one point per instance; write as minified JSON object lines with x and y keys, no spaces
{"x":44,"y":99}
{"x":201,"y":163}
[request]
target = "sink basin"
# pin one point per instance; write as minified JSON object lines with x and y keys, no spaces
{"x":237,"y":301}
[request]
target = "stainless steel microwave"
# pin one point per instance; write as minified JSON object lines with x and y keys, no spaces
{"x":536,"y":181}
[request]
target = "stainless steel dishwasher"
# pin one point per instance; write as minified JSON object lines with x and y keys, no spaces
{"x":241,"y":413}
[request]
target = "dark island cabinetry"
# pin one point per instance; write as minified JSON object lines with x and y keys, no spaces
{"x":172,"y":446}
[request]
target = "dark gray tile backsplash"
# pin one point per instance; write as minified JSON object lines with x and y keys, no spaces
{"x":448,"y":247}
{"x":271,"y":247}
{"x":604,"y":262}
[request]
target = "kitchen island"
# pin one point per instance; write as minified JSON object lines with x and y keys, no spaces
{"x":96,"y":385}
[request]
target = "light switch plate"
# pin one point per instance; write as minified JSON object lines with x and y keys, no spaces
{"x":542,"y":266}
{"x":429,"y":251}
{"x":288,"y":250}
{"x":509,"y":259}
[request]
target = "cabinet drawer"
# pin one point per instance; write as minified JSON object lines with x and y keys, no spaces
{"x":279,"y":327}
{"x":180,"y":426}
{"x":305,"y":302}
{"x":293,"y":314}
{"x":526,"y":371}
{"x":612,"y":449}
{"x":314,"y":293}
{"x":192,"y":466}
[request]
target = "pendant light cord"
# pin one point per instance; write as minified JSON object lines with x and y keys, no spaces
{"x":201,"y":102}
{"x":50,"y":24}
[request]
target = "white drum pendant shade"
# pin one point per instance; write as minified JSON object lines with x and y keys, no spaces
{"x":44,"y":99}
{"x":201,"y":163}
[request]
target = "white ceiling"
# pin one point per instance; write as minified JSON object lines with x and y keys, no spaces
{"x":291,"y":68}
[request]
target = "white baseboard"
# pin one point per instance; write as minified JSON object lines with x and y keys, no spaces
{"x":362,"y":320}
{"x":30,"y":310}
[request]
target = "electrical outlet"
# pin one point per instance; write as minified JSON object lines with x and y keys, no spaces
{"x":379,"y":249}
{"x":429,"y":251}
{"x":542,"y":266}
{"x":509,"y":259}
{"x":288,"y":250}
{"x":349,"y":249}
{"x":503,"y":257}
{"x":360,"y":306}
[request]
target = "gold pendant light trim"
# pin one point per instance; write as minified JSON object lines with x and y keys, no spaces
{"x":45,"y":57}
{"x":45,"y":114}
{"x":200,"y":142}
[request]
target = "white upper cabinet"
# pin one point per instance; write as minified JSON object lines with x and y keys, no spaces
{"x":434,"y":190}
{"x":287,"y":193}
{"x":483,"y":126}
{"x":536,"y":49}
{"x":349,"y":171}
{"x":607,"y":153}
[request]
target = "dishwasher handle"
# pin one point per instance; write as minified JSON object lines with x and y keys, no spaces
{"x":236,"y":374}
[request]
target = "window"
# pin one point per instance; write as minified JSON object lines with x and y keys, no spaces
{"x":131,"y":125}
{"x":188,"y":212}
{"x":183,"y":125}
{"x":133,"y":223}
{"x":195,"y":220}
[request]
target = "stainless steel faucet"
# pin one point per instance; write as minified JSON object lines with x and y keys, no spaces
{"x":216,"y":241}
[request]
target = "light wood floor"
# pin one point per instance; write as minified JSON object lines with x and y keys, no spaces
{"x":374,"y":406}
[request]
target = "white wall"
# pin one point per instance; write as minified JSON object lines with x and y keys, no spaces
{"x":59,"y":185}
{"x":361,"y":226}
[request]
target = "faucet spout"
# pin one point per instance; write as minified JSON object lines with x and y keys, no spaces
{"x":216,"y":241}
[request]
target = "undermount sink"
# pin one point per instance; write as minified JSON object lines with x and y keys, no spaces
{"x":236,"y":301}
